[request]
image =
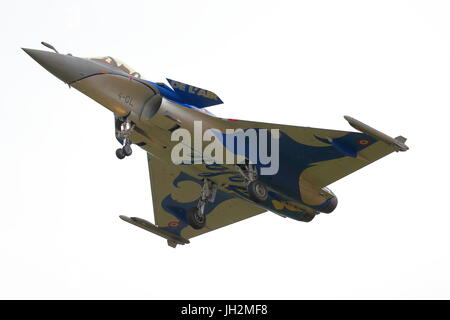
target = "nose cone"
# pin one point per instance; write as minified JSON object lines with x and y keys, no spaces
{"x":65,"y":67}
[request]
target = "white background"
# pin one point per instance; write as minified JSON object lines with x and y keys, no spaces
{"x":304,"y":63}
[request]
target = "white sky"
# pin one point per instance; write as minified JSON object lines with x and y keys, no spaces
{"x":304,"y":63}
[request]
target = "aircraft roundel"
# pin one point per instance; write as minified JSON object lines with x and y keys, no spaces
{"x":173,"y":224}
{"x":363,"y":142}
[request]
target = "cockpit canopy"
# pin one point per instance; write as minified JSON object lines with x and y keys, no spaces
{"x":116,"y":63}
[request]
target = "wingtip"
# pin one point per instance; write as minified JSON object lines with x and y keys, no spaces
{"x":401,"y":143}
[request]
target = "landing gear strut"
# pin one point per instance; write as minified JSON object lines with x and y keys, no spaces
{"x":256,"y":189}
{"x":123,"y":133}
{"x":196,"y":215}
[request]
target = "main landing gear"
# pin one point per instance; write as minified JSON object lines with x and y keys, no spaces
{"x":123,"y":133}
{"x":196,"y":215}
{"x":256,"y":189}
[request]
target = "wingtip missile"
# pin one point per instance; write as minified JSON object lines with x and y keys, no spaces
{"x":397,"y":143}
{"x":172,"y":239}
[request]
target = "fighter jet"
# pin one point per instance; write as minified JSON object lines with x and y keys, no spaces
{"x":193,"y":191}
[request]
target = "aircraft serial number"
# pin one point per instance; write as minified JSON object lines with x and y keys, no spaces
{"x":126,"y":98}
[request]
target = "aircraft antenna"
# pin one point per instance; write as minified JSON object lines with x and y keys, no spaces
{"x":48,"y":45}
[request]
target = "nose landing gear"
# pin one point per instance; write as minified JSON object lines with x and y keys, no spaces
{"x":125,"y":128}
{"x":125,"y":151}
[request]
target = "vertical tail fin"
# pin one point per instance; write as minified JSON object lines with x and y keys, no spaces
{"x":195,"y":96}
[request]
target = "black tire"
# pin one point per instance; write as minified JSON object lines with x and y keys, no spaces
{"x":120,"y":154}
{"x":127,"y":150}
{"x":195,"y":220}
{"x":258,"y":191}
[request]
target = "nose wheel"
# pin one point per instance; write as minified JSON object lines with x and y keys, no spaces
{"x":123,"y":134}
{"x":123,"y":152}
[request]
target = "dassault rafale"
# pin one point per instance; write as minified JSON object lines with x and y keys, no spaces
{"x":207,"y":172}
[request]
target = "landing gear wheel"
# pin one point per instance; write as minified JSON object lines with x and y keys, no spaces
{"x":195,"y":219}
{"x":120,"y":153}
{"x":127,"y":150}
{"x":258,"y":191}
